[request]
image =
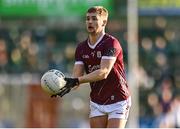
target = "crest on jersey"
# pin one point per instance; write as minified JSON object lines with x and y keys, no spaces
{"x":98,"y":54}
{"x":93,"y":53}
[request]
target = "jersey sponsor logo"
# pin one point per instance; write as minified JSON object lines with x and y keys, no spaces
{"x":93,"y":68}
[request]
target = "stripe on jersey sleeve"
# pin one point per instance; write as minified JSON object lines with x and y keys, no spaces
{"x":79,"y":62}
{"x":108,"y":57}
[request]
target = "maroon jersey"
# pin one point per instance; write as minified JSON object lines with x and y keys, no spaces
{"x":114,"y":88}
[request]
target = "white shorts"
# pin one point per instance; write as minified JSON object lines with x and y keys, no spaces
{"x":116,"y":110}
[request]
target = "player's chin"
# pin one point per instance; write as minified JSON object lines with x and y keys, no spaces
{"x":91,"y":31}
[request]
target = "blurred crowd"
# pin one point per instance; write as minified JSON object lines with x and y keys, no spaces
{"x":30,"y":47}
{"x":34,"y":50}
{"x":159,"y":89}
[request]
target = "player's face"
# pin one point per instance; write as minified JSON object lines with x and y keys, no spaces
{"x":94,"y":23}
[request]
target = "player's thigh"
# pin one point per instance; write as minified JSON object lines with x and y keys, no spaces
{"x":116,"y":123}
{"x":99,"y":121}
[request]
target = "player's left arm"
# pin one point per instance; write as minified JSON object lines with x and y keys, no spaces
{"x":78,"y":70}
{"x":100,"y":74}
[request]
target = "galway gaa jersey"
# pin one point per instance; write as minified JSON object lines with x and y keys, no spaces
{"x":114,"y":88}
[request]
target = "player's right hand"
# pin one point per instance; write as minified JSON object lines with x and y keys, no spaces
{"x":71,"y":82}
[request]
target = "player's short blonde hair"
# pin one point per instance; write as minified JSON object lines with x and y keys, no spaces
{"x":100,"y":10}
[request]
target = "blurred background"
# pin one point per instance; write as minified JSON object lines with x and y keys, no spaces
{"x":38,"y":35}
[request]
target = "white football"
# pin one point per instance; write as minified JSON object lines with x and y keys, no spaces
{"x":52,"y":81}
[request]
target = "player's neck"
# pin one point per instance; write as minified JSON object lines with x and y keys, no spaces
{"x":93,"y":38}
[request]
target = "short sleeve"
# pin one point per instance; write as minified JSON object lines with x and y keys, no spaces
{"x":78,"y":57}
{"x":112,"y":49}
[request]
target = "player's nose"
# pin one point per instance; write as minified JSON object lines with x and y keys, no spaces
{"x":89,"y":21}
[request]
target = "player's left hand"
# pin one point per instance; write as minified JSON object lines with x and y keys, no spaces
{"x":70,"y":83}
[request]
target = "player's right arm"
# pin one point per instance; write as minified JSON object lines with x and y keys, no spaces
{"x":78,"y":70}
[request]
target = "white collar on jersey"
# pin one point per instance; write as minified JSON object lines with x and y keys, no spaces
{"x":93,"y":46}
